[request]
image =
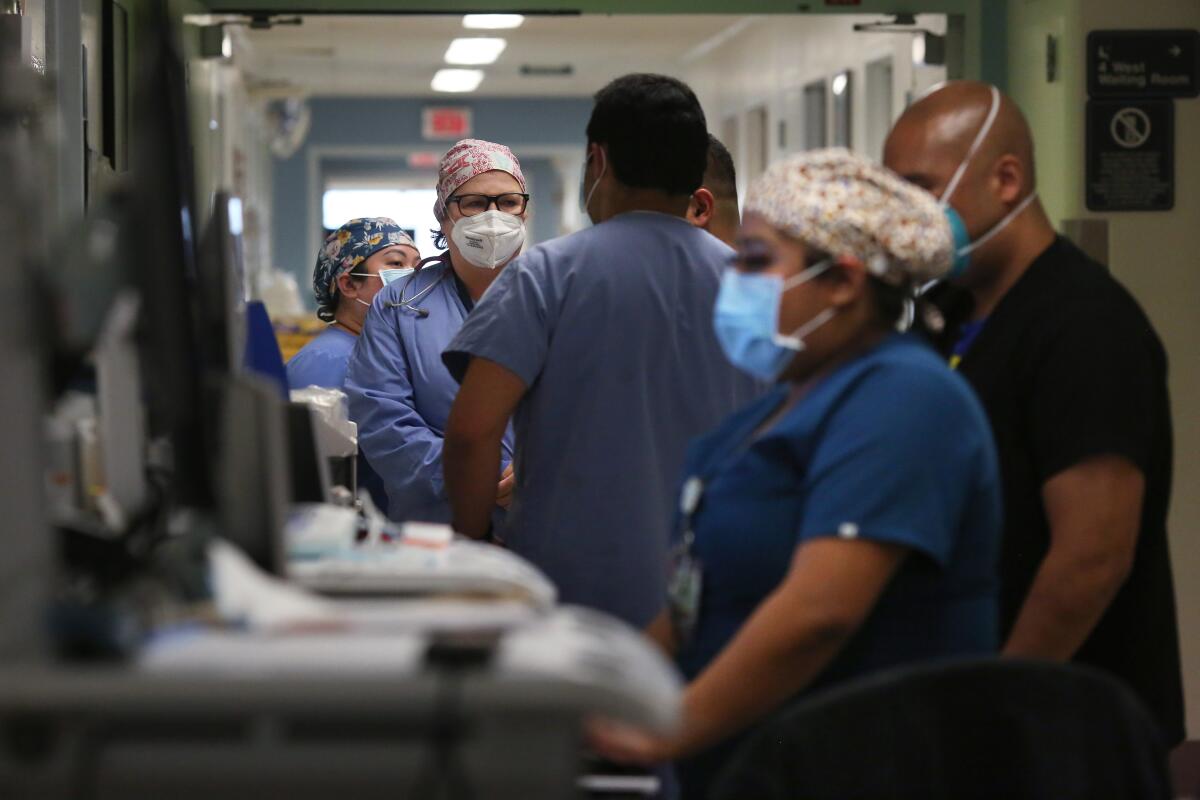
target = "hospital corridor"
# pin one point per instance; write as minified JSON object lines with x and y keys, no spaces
{"x":600,"y":400}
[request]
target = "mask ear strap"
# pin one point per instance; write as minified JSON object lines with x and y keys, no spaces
{"x":804,"y":276}
{"x":990,"y":120}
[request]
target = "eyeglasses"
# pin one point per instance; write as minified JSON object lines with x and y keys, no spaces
{"x":471,"y":204}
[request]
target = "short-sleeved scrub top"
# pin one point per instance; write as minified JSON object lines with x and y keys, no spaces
{"x":611,"y":331}
{"x":891,"y":447}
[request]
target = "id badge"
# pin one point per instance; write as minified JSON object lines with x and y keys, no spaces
{"x":684,"y":586}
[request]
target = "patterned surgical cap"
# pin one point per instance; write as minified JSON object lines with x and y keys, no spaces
{"x":469,"y":158}
{"x":845,"y":204}
{"x":348,"y":247}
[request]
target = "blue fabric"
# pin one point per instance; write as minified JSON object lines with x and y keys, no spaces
{"x":891,"y":447}
{"x":611,"y":331}
{"x":400,"y":392}
{"x":322,"y":362}
{"x":893,"y":444}
{"x":262,"y":355}
{"x":967,"y":335}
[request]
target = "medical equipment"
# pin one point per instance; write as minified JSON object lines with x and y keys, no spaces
{"x":444,"y":260}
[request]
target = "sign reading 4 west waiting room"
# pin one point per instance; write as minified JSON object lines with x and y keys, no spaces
{"x":1152,"y":63}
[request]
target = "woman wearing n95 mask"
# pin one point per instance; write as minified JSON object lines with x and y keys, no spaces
{"x":400,"y":392}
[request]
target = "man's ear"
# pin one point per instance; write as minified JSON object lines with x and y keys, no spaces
{"x":1009,"y":176}
{"x":701,"y":208}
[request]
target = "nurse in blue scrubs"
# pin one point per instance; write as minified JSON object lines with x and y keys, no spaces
{"x":400,"y":391}
{"x":354,"y":263}
{"x":847,"y":522}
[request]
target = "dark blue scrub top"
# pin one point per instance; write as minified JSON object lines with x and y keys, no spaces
{"x":891,"y":447}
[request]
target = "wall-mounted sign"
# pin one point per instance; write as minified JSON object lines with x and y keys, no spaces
{"x":1157,"y":63}
{"x":1130,"y":155}
{"x":446,"y":123}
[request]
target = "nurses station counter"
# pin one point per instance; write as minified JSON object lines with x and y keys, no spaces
{"x":361,"y":714}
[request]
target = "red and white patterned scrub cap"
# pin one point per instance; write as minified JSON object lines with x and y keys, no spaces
{"x":469,"y":158}
{"x":847,"y":205}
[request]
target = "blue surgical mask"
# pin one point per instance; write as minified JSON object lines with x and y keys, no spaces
{"x":392,"y":275}
{"x":746,"y":320}
{"x":963,"y":246}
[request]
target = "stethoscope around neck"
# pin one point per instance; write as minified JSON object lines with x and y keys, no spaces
{"x":442,"y":258}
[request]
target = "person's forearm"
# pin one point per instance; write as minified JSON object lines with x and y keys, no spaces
{"x":471,"y":470}
{"x":778,"y":652}
{"x":1064,"y":604}
{"x":662,"y":634}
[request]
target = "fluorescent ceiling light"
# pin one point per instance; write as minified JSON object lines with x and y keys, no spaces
{"x":474,"y":51}
{"x":492,"y":22}
{"x":457,"y":80}
{"x":840,"y":82}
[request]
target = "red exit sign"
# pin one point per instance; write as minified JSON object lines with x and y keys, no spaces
{"x":446,"y":123}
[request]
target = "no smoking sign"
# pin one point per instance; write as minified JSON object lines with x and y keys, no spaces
{"x":1130,"y":155}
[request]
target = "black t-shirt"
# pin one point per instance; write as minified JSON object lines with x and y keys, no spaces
{"x":1069,"y":367}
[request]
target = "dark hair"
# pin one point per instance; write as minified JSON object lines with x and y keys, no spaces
{"x":327,"y":312}
{"x":719,"y":175}
{"x":654,"y":131}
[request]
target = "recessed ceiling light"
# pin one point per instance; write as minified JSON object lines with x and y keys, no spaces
{"x":474,"y":51}
{"x":457,"y":80}
{"x":492,"y":22}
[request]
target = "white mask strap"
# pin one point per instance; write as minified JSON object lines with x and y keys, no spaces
{"x":796,"y":340}
{"x":999,"y":226}
{"x":948,"y":192}
{"x":364,"y":302}
{"x":588,"y":200}
{"x":808,"y":274}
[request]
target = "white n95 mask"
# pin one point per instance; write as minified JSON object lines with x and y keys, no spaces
{"x":490,"y":239}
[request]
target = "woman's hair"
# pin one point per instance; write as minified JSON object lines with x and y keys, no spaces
{"x":439,"y":238}
{"x":326,"y":312}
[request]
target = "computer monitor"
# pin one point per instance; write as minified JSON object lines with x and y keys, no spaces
{"x":160,"y":245}
{"x":222,"y":283}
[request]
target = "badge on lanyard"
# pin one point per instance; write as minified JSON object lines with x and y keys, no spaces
{"x":686,"y":579}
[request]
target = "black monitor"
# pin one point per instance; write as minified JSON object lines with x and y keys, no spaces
{"x":160,"y":246}
{"x":222,"y":283}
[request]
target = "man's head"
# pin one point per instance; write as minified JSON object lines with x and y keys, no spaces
{"x":934,"y":137}
{"x":647,"y":138}
{"x":714,"y":206}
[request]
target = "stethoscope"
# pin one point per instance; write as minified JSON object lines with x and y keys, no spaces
{"x":443,"y":258}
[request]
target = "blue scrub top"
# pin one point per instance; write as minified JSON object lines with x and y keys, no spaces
{"x":400,"y":391}
{"x":891,"y":447}
{"x":611,"y":330}
{"x":322,"y":362}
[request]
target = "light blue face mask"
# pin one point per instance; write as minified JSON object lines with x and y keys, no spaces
{"x":746,"y":320}
{"x":963,"y":246}
{"x":388,"y":275}
{"x":392,"y":275}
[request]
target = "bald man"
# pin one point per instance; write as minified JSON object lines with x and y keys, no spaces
{"x":714,"y":206}
{"x":1073,"y":378}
